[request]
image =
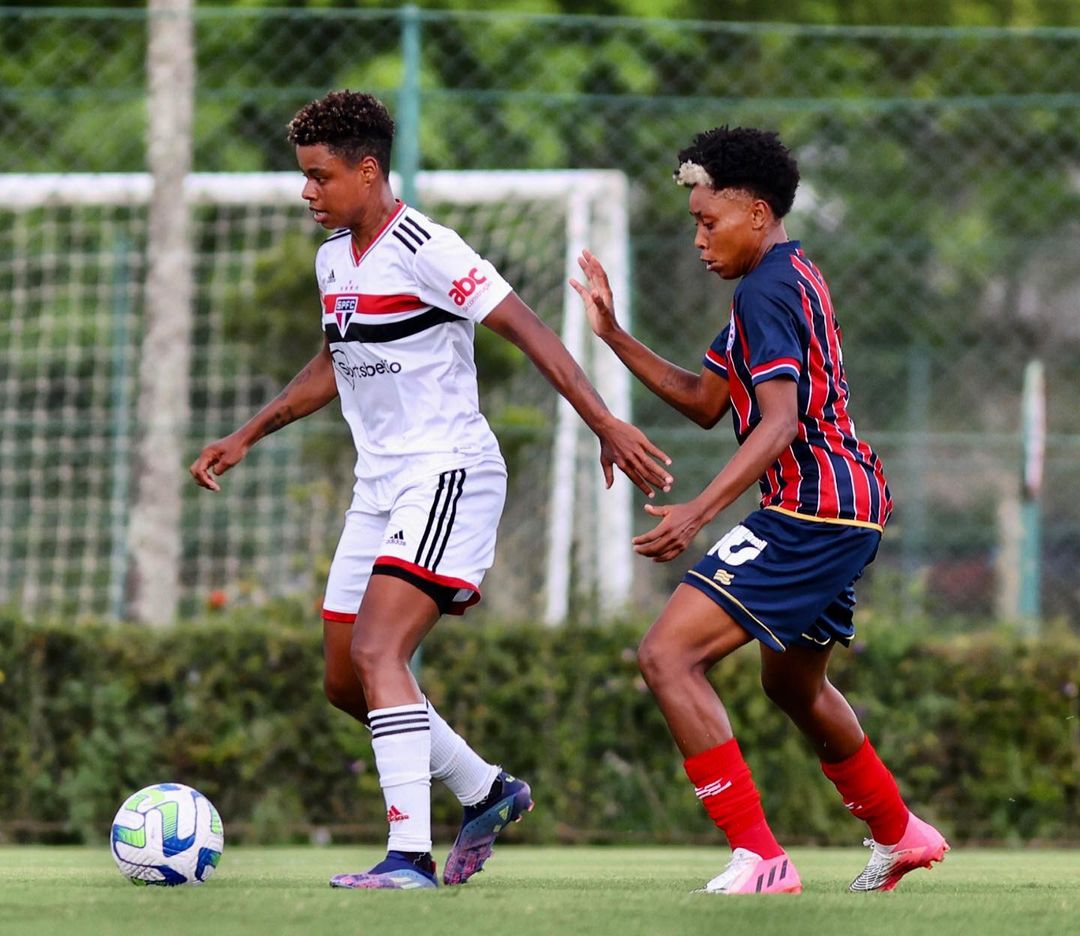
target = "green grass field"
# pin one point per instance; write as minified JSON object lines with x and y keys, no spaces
{"x":527,"y":890}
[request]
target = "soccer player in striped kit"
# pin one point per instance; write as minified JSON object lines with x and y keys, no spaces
{"x":784,"y":576}
{"x":400,"y":296}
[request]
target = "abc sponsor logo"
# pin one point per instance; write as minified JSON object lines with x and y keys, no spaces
{"x":463,"y":288}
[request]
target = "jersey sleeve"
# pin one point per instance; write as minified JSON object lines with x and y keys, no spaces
{"x":716,"y":356}
{"x":772,"y":327}
{"x":453,"y":276}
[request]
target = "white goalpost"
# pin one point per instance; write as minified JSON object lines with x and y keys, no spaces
{"x":73,"y":300}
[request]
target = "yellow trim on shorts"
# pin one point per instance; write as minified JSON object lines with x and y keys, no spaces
{"x":730,"y":597}
{"x":838,"y":520}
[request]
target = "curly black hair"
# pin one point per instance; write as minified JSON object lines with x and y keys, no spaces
{"x":351,"y":124}
{"x":745,"y":158}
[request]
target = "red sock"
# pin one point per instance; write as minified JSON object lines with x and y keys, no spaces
{"x":870,"y":792}
{"x":723,"y":783}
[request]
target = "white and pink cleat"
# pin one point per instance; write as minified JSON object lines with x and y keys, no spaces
{"x":749,"y":873}
{"x":920,"y":846}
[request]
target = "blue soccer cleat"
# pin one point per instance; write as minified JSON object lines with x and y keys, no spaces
{"x":508,"y":800}
{"x":397,"y":871}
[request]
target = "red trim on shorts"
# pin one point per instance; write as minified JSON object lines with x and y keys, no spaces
{"x":460,"y":607}
{"x":342,"y":617}
{"x":457,"y":607}
{"x":425,"y":573}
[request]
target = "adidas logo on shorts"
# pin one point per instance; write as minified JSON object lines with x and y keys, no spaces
{"x":398,"y":539}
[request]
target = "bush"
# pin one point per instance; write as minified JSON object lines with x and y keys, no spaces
{"x":982,"y":732}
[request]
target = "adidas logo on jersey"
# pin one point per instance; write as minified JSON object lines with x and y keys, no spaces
{"x":398,"y":539}
{"x":330,"y":278}
{"x":466,"y":286}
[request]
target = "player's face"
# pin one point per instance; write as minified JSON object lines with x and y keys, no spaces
{"x":729,"y":229}
{"x":337,"y":192}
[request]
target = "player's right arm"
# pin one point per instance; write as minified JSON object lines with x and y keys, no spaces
{"x":703,"y":397}
{"x":308,"y":391}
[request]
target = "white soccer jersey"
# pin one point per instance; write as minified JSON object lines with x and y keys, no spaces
{"x":400,"y":320}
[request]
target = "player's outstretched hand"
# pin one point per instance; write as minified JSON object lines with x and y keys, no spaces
{"x":679,"y":524}
{"x":599,"y":305}
{"x":628,"y":447}
{"x":218,"y":457}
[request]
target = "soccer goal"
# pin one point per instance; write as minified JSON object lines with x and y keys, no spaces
{"x":73,"y":258}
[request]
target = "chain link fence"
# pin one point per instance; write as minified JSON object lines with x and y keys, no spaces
{"x":940,"y":197}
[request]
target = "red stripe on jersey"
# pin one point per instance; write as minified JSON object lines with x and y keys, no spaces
{"x":740,"y":403}
{"x":819,"y":379}
{"x":841,"y":428}
{"x":716,"y":359}
{"x":779,"y":362}
{"x":368,"y":304}
{"x":791,"y":477}
{"x":828,"y":499}
{"x":358,"y":257}
{"x":828,"y":495}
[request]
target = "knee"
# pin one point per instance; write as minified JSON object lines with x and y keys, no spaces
{"x":787,"y":694}
{"x":366,"y":660}
{"x":658,"y":663}
{"x":345,"y":693}
{"x":372,"y":659}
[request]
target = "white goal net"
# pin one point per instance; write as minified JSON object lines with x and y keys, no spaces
{"x":73,"y":259}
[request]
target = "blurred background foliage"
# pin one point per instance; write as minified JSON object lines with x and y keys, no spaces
{"x":939,"y":144}
{"x":982,"y":732}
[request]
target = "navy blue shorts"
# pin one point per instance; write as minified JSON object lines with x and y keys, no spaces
{"x":788,"y":581}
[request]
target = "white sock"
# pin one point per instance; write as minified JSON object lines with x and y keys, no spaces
{"x":401,"y":740}
{"x":467,"y":775}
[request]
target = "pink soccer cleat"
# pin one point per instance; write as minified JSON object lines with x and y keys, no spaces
{"x":397,"y":871}
{"x":919,"y":847}
{"x":749,"y":873}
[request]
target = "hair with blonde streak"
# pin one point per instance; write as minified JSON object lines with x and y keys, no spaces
{"x":755,"y":161}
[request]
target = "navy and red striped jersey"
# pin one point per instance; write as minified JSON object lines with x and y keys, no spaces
{"x":783,"y":326}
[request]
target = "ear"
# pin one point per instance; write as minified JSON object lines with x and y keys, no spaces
{"x":370,"y":169}
{"x":761,"y":215}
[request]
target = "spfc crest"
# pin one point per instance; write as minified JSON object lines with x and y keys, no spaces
{"x":344,"y":310}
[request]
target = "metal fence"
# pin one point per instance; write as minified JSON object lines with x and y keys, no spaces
{"x":941,"y":182}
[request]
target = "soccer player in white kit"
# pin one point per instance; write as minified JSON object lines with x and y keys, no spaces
{"x":401,"y":296}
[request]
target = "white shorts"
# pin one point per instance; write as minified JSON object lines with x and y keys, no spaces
{"x":439,"y":534}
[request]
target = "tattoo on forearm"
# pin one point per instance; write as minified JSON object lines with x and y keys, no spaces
{"x":281,"y":417}
{"x":670,"y":381}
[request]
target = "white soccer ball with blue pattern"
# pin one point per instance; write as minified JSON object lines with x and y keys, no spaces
{"x":167,"y":834}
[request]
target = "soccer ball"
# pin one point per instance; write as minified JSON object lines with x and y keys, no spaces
{"x":167,"y":834}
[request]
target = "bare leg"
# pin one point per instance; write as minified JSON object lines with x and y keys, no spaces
{"x":394,"y":618}
{"x":340,"y":682}
{"x":691,"y":635}
{"x":796,"y":681}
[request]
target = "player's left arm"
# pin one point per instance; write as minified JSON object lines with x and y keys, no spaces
{"x":680,"y":523}
{"x":620,"y":443}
